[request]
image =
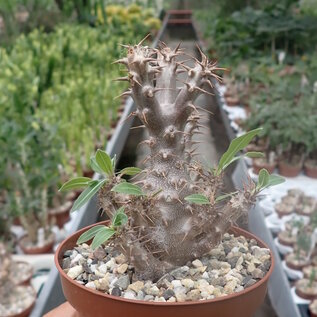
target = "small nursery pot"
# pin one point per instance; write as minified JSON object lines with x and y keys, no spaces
{"x":289,"y":170}
{"x":257,"y":166}
{"x":294,"y":266}
{"x":310,"y":170}
{"x":26,"y":281}
{"x":285,"y":240}
{"x":47,"y":248}
{"x":92,"y":303}
{"x":303,"y":291}
{"x":61,"y":215}
{"x":313,"y":309}
{"x":26,"y":312}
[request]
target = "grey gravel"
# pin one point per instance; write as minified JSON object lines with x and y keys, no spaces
{"x":232,"y":266}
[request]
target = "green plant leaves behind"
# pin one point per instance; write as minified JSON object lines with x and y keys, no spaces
{"x":75,"y":183}
{"x":89,"y":234}
{"x":103,"y":235}
{"x":88,"y":193}
{"x":104,"y":162}
{"x":235,"y":146}
{"x":119,"y":218}
{"x":197,"y":199}
{"x":127,"y":188}
{"x":266,"y":180}
{"x":131,"y":171}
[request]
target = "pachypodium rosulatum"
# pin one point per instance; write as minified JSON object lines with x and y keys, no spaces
{"x":172,"y":211}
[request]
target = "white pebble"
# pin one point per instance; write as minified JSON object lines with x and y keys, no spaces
{"x":197,"y":263}
{"x":176,"y":283}
{"x":75,"y":271}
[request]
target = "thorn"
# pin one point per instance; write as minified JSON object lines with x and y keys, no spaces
{"x":203,"y":56}
{"x":140,"y":126}
{"x":203,"y":91}
{"x":121,"y":79}
{"x":201,"y":108}
{"x":208,"y":82}
{"x":184,"y":66}
{"x":177,"y":47}
{"x":129,"y":116}
{"x":121,"y":61}
{"x":144,"y":117}
{"x":125,"y":46}
{"x":141,"y":42}
{"x":126,"y":93}
{"x":186,"y":234}
{"x":162,"y":43}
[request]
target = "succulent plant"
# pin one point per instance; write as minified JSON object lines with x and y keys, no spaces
{"x":5,"y":266}
{"x":173,"y":211}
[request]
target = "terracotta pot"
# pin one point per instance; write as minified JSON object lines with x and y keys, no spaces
{"x":61,"y":215}
{"x":312,"y":314}
{"x":26,"y":311}
{"x":304,"y":294}
{"x":258,"y":166}
{"x":284,"y":241}
{"x":88,"y":173}
{"x":310,"y":170}
{"x":27,"y":280}
{"x":47,"y":248}
{"x":295,"y":266}
{"x":17,"y":221}
{"x":288,"y":170}
{"x":92,"y":303}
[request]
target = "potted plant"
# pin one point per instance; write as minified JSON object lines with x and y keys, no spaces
{"x":290,"y":162}
{"x":307,"y":287}
{"x":288,"y":237}
{"x":313,"y":308}
{"x":32,"y":177}
{"x":166,"y":249}
{"x":15,"y":300}
{"x":305,"y":243}
{"x":268,"y":162}
{"x":306,"y":205}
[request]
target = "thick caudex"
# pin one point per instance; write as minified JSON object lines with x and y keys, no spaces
{"x":165,"y":229}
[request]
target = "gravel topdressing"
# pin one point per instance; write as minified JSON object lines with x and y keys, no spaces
{"x":234,"y":265}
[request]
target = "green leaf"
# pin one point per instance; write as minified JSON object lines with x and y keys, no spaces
{"x":131,"y":171}
{"x":89,"y":234}
{"x":127,"y":188}
{"x":275,"y":180}
{"x":198,"y":199}
{"x":254,"y":154}
{"x":75,"y":183}
{"x":119,"y":218}
{"x":102,"y":236}
{"x":235,"y":146}
{"x":113,"y":161}
{"x":88,"y":193}
{"x":263,"y":180}
{"x":94,"y":165}
{"x":222,"y":197}
{"x":104,"y":162}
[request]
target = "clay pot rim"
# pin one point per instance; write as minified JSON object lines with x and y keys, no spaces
{"x":28,"y":309}
{"x":52,"y":235}
{"x":31,"y":271}
{"x":233,"y":230}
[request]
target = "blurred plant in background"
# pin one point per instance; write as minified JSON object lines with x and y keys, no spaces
{"x":56,"y":96}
